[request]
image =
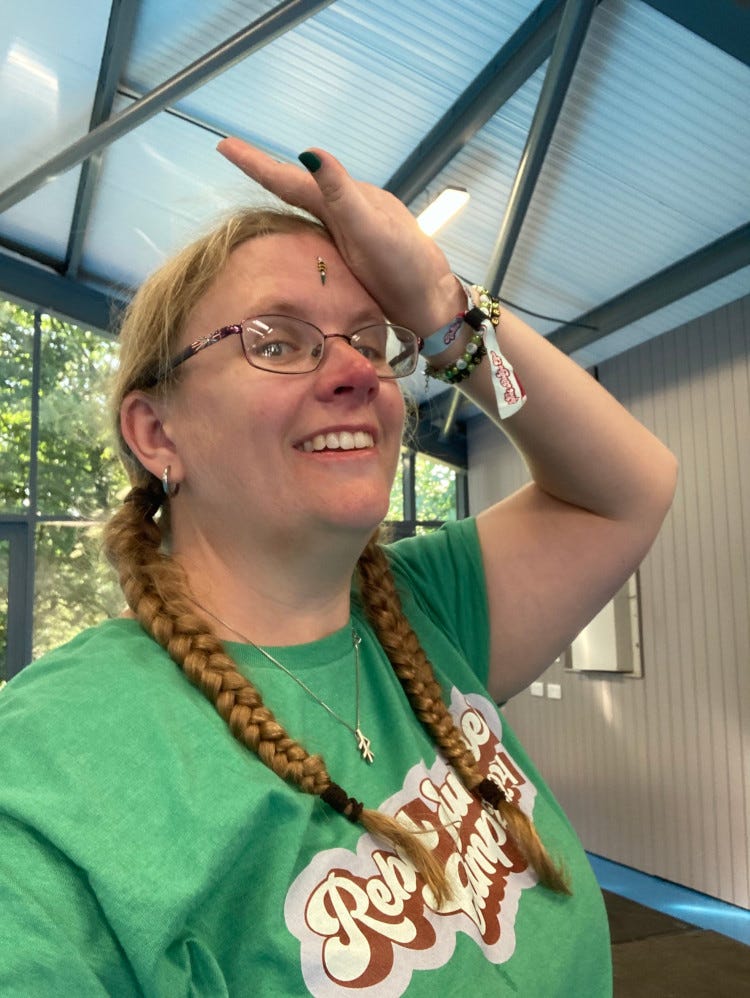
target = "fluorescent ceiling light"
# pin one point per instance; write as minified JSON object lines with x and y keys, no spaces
{"x":447,"y":204}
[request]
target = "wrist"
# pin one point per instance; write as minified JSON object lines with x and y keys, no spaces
{"x":457,"y":361}
{"x":445,"y":302}
{"x":448,"y":339}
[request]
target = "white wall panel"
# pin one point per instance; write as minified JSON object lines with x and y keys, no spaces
{"x":655,"y":773}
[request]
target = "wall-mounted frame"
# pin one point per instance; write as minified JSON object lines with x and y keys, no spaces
{"x":611,"y":642}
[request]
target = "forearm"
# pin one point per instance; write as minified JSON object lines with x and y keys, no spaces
{"x":580,"y":444}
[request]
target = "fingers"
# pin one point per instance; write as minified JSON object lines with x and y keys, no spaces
{"x":288,"y":182}
{"x":323,"y":188}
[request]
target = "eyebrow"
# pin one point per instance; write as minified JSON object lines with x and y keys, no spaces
{"x":284,"y":306}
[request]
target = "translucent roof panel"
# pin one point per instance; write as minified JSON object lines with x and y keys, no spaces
{"x":150,"y":201}
{"x":647,"y":163}
{"x":363,"y":80}
{"x":48,"y":77}
{"x":42,"y":221}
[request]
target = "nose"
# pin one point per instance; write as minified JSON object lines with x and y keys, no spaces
{"x":345,"y":372}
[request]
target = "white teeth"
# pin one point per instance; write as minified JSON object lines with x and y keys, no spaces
{"x":345,"y":440}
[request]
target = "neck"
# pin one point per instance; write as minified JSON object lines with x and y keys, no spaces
{"x":289,"y":596}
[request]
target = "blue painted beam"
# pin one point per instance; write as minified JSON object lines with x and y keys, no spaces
{"x":710,"y":263}
{"x":723,"y":23}
{"x":568,"y":44}
{"x":116,"y":48}
{"x":43,"y":288}
{"x":524,"y":52}
{"x":281,"y":18}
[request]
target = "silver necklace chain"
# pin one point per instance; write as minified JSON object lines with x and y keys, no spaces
{"x":363,"y":743}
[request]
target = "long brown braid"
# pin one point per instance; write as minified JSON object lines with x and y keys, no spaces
{"x":157,"y":590}
{"x":382,"y":604}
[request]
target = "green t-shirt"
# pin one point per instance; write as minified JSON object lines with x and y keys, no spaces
{"x":144,"y":851}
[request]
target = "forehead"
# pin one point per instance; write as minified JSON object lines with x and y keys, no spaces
{"x":280,"y":273}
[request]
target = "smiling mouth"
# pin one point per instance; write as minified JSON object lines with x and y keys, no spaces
{"x":359,"y":440}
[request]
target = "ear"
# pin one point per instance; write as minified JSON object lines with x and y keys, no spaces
{"x":142,"y":426}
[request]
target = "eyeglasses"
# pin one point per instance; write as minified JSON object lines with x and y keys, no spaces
{"x":285,"y":345}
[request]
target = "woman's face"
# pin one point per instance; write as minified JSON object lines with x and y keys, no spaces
{"x":242,"y":435}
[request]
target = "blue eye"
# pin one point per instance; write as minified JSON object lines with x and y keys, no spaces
{"x":275,"y":349}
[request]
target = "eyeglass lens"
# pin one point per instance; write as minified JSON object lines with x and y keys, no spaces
{"x":287,"y":345}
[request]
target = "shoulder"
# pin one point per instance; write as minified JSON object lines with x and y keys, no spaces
{"x":106,"y":689}
{"x":440,"y":579}
{"x":452,"y":550}
{"x":118,"y":652}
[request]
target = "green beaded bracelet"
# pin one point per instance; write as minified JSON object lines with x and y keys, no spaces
{"x":471,"y":358}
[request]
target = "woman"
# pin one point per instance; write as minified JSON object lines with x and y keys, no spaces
{"x":145,"y":851}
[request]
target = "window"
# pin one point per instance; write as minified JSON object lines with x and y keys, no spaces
{"x":59,"y":476}
{"x":426,"y":494}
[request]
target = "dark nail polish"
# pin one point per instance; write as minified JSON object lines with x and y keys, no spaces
{"x":310,"y":161}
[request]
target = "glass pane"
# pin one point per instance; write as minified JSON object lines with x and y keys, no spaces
{"x":396,"y":508}
{"x":16,"y":342}
{"x":75,"y":587}
{"x":4,"y":581}
{"x":79,"y":471}
{"x":435,"y":489}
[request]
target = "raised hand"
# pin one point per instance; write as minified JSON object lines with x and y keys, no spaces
{"x":378,"y":237}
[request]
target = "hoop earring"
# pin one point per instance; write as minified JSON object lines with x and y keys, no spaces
{"x":170,"y":488}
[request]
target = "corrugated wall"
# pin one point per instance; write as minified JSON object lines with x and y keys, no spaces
{"x":655,"y":773}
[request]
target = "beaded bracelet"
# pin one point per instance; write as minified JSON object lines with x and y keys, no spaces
{"x":471,"y":358}
{"x":484,"y":319}
{"x":475,"y":350}
{"x":489,"y":305}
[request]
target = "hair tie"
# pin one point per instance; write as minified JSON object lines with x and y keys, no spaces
{"x":337,"y":798}
{"x":490,"y":792}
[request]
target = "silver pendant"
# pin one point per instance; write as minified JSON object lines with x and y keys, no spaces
{"x":363,"y":744}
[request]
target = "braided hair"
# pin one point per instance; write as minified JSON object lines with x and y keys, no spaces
{"x":157,"y":591}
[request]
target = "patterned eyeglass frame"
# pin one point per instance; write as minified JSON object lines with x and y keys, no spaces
{"x":236,"y":330}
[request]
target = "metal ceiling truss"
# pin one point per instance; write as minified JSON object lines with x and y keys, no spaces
{"x":568,"y":44}
{"x":556,"y":28}
{"x":116,"y":48}
{"x":718,"y":259}
{"x":42,"y":288}
{"x":723,"y":23}
{"x":282,"y":18}
{"x":524,"y":52}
